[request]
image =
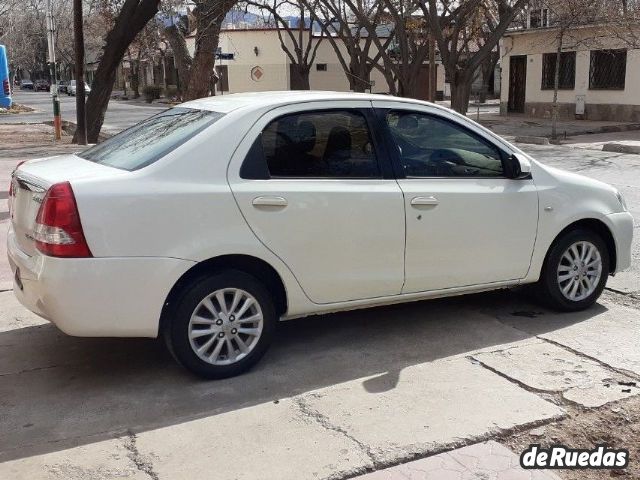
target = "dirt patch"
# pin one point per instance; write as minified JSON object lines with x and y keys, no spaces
{"x":616,"y":424}
{"x":15,"y":108}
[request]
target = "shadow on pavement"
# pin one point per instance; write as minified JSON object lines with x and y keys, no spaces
{"x":58,"y":392}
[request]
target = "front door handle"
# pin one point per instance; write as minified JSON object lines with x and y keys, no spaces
{"x":269,"y":201}
{"x":431,"y":200}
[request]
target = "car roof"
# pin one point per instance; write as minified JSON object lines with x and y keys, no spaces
{"x":256,"y":100}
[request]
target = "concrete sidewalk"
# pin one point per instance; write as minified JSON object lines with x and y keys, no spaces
{"x":482,"y":461}
{"x":520,"y":125}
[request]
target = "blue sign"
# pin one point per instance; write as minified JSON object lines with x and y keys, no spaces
{"x":5,"y":88}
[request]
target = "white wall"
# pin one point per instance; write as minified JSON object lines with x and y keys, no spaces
{"x":274,"y":62}
{"x":535,"y":43}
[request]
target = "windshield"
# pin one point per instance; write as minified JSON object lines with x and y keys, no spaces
{"x":152,"y":139}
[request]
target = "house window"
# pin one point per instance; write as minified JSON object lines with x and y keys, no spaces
{"x":567,"y":71}
{"x":539,"y":17}
{"x":321,"y":67}
{"x":608,"y":69}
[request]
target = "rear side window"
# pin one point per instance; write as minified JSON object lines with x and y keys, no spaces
{"x":320,"y":144}
{"x":150,"y":140}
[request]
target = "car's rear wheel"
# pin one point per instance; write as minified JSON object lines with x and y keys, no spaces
{"x":221,"y":324}
{"x":575,"y":271}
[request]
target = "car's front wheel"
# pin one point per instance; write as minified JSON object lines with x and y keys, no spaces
{"x":575,"y":271}
{"x":221,"y":324}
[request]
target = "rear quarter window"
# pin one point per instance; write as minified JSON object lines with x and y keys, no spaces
{"x":151,"y":139}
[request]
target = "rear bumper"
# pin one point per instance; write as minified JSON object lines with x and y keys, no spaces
{"x":95,"y":297}
{"x":621,"y":226}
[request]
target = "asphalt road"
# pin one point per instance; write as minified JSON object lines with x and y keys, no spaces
{"x":120,"y":114}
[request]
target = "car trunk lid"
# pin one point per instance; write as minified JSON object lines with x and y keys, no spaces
{"x":30,"y":183}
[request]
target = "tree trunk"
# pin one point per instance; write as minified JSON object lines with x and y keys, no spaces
{"x":180,"y":54}
{"x":209,"y":18}
{"x":486,"y":69}
{"x":556,"y":87}
{"x":408,"y":82}
{"x":135,"y":78}
{"x":132,"y":18}
{"x":461,"y":92}
{"x":81,"y":117}
{"x":359,"y":75}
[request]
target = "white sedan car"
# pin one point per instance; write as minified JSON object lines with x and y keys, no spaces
{"x":72,"y":88}
{"x":210,"y":221}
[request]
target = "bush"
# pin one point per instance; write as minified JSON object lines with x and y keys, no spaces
{"x":171,"y":91}
{"x":151,"y":92}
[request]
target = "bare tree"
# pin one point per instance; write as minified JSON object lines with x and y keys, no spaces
{"x":209,"y":15}
{"x":353,"y":45}
{"x":131,"y":17}
{"x":196,"y":72}
{"x":298,"y":42}
{"x":402,"y":54}
{"x":467,"y":31}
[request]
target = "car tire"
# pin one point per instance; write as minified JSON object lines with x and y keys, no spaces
{"x":214,"y":341}
{"x":575,"y":271}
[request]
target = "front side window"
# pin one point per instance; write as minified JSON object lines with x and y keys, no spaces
{"x":321,"y":144}
{"x":430,"y":146}
{"x":151,"y":139}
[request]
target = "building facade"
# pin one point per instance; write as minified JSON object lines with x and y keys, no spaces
{"x":599,"y":72}
{"x":252,"y":60}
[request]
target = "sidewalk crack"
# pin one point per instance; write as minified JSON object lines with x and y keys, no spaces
{"x":620,"y":371}
{"x":143,"y":465}
{"x":324,"y":422}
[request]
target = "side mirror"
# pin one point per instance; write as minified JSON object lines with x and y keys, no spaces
{"x":520,"y":167}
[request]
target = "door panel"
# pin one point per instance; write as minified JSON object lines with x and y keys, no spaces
{"x":466,"y":223}
{"x":517,"y":83}
{"x":471,"y":232}
{"x":343,"y":238}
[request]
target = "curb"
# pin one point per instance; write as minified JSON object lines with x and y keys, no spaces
{"x":621,"y":148}
{"x":70,"y":129}
{"x":532,"y":140}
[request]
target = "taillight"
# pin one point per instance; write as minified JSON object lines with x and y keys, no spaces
{"x":58,"y":231}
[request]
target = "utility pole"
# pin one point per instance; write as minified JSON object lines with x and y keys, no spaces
{"x":57,"y":121}
{"x":78,"y":37}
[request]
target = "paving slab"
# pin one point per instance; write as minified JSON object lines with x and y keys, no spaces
{"x":606,"y":332}
{"x":270,"y":441}
{"x":482,"y":461}
{"x":332,"y":432}
{"x":550,"y":368}
{"x":431,"y":405}
{"x":113,"y":459}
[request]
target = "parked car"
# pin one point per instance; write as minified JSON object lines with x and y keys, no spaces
{"x":71,"y":88}
{"x":43,"y":85}
{"x":26,"y":85}
{"x":209,"y":222}
{"x":62,"y":86}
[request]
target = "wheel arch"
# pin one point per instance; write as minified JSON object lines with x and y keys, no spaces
{"x":254,"y":266}
{"x":596,"y":226}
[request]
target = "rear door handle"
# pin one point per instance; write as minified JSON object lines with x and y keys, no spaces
{"x":269,"y":201}
{"x":431,"y":200}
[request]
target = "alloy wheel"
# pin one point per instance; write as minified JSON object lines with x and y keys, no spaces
{"x":225,"y":326}
{"x":579,"y":270}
